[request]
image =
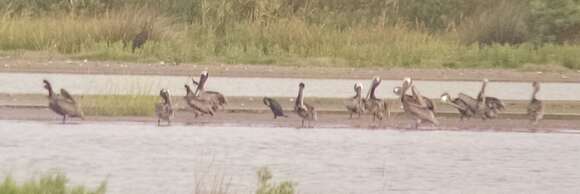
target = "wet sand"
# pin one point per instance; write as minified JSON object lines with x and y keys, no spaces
{"x":398,"y":121}
{"x":278,"y":71}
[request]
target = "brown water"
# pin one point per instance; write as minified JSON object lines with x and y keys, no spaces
{"x":278,"y":87}
{"x":139,"y":158}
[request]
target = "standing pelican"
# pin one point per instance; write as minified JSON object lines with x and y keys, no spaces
{"x":305,"y":111}
{"x":398,"y":91}
{"x":465,"y":111}
{"x":415,"y":105}
{"x":63,"y":104}
{"x":377,"y":107}
{"x":488,"y":107}
{"x":217,"y":99}
{"x":199,"y":106}
{"x":355,"y":104}
{"x":164,"y":109}
{"x":485,"y":106}
{"x":535,"y":107}
{"x":274,"y":106}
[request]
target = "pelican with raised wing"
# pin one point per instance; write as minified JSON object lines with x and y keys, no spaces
{"x":199,"y":106}
{"x":465,"y":111}
{"x":304,"y":110}
{"x":217,"y":99}
{"x":63,"y":104}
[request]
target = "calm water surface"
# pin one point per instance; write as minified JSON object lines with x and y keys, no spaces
{"x":139,"y":158}
{"x":19,"y":83}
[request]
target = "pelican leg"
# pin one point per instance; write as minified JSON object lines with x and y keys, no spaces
{"x":351,"y":115}
{"x":158,"y":122}
{"x":63,"y":119}
{"x":302,"y":123}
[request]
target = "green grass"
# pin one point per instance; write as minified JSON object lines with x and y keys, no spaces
{"x":250,"y":32}
{"x":118,"y":105}
{"x":51,"y":183}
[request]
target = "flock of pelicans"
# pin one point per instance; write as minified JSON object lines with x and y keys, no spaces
{"x":420,"y":108}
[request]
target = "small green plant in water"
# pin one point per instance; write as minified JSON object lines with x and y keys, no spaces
{"x":51,"y":183}
{"x":265,"y":186}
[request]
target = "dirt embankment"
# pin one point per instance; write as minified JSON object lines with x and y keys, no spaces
{"x":104,"y":67}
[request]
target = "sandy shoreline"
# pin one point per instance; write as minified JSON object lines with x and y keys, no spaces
{"x":332,"y":120}
{"x":277,"y":71}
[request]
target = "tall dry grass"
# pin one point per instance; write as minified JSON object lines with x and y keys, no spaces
{"x":298,"y":32}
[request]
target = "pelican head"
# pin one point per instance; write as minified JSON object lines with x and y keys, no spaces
{"x":397,"y":90}
{"x":445,"y":97}
{"x":358,"y":86}
{"x":204,"y":73}
{"x":485,"y":80}
{"x":301,"y":85}
{"x":46,"y":84}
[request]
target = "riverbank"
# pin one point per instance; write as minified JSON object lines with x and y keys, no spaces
{"x":250,"y":112}
{"x":62,"y":65}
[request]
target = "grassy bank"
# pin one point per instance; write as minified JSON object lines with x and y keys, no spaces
{"x":284,"y":32}
{"x":52,"y":183}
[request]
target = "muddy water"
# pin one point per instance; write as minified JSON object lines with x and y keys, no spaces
{"x":139,"y":158}
{"x":18,"y":83}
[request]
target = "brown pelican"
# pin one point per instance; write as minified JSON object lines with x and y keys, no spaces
{"x":535,"y":107}
{"x":63,"y":104}
{"x":415,"y":105}
{"x":377,"y":107}
{"x":355,"y":104}
{"x":199,"y":106}
{"x":484,"y":106}
{"x":305,"y":111}
{"x":465,"y":111}
{"x":217,"y":99}
{"x":164,"y":109}
{"x":398,"y":91}
{"x":275,"y":107}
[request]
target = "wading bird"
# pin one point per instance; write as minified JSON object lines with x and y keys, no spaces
{"x":199,"y":106}
{"x":275,"y":107}
{"x":465,"y":111}
{"x":355,"y":104}
{"x":164,"y":109}
{"x":484,"y":106}
{"x":217,"y":99}
{"x":63,"y":104}
{"x":305,"y":111}
{"x":415,"y":105}
{"x":398,"y":91}
{"x":535,"y":107}
{"x":378,"y":108}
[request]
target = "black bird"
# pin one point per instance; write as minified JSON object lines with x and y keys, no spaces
{"x":140,"y":39}
{"x":275,"y":107}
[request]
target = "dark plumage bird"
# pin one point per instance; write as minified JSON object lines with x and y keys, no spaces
{"x":304,"y":111}
{"x":63,"y":104}
{"x":465,"y":111}
{"x":535,"y":107}
{"x":355,"y":104}
{"x":275,"y":107}
{"x":488,"y":107}
{"x":199,"y":106}
{"x":164,"y":109}
{"x":415,"y":105}
{"x":140,"y":39}
{"x":377,"y":107}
